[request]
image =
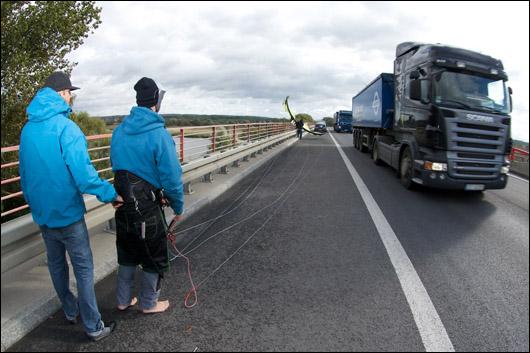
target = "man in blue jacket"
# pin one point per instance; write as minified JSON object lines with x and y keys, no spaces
{"x":55,"y":172}
{"x":144,"y":160}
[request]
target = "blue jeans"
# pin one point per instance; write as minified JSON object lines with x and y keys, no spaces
{"x":149,"y":292}
{"x":74,"y":240}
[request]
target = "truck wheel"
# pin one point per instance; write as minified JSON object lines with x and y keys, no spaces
{"x":362,"y":147}
{"x":406,"y":169}
{"x":375,"y":154}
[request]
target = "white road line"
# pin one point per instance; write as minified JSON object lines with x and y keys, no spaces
{"x":430,"y":326}
{"x":516,"y":177}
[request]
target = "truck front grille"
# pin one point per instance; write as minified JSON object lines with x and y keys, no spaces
{"x":478,"y":127}
{"x":476,"y":145}
{"x":475,"y":151}
{"x":476,"y":173}
{"x":475,"y":156}
{"x":478,"y":136}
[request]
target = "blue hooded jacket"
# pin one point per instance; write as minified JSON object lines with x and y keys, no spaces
{"x":142,"y":146}
{"x":55,"y":168}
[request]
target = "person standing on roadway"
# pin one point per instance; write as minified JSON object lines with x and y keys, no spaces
{"x":144,"y":160}
{"x":299,"y":128}
{"x":55,"y":172}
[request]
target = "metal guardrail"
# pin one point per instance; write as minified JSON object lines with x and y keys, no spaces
{"x":519,"y":162}
{"x":192,"y":143}
{"x":519,"y":155}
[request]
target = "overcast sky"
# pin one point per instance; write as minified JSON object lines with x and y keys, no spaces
{"x":244,"y":58}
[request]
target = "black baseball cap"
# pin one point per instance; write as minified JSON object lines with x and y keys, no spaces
{"x":59,"y":81}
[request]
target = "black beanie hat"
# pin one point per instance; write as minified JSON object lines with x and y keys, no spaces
{"x":146,"y":92}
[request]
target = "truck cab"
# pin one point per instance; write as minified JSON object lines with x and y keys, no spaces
{"x":450,"y":124}
{"x":342,"y":121}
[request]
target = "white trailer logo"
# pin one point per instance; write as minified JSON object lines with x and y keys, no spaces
{"x":376,"y":103}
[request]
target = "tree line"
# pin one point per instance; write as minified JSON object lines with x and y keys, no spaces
{"x":175,"y":120}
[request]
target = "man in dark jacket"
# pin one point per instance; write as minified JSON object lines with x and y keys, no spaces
{"x":144,"y":160}
{"x":299,"y":128}
{"x":55,"y":172}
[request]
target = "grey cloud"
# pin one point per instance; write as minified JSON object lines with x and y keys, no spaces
{"x":241,"y":58}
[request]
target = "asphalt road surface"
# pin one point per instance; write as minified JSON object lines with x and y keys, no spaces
{"x":306,"y":269}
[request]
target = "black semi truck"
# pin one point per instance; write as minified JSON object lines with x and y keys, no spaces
{"x":441,"y":119}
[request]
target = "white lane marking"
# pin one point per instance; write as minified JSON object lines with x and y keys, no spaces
{"x":516,"y":177}
{"x":430,"y":326}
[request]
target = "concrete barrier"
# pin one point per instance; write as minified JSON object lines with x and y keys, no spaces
{"x":520,"y":168}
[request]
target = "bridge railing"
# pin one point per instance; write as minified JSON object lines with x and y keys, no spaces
{"x":193,"y":143}
{"x":519,"y":155}
{"x":519,"y":161}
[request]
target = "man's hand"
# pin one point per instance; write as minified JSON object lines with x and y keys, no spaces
{"x":173,"y":223}
{"x":118,"y":202}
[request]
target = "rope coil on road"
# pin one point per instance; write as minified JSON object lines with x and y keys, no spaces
{"x":224,"y":213}
{"x":172,"y":235}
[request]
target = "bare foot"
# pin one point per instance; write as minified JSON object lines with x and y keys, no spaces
{"x":158,"y":308}
{"x":125,"y":307}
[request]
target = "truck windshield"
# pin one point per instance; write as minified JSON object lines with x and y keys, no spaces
{"x":471,"y":92}
{"x":346,"y":118}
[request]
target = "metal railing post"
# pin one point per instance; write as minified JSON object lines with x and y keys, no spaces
{"x":181,"y":145}
{"x":213,"y":139}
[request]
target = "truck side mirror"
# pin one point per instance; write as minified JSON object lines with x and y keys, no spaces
{"x":414,"y":75}
{"x":510,"y":91}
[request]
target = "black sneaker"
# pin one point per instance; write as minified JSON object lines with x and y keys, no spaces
{"x":72,"y":321}
{"x":107,"y":330}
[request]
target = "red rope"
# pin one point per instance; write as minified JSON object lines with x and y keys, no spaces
{"x":193,"y":291}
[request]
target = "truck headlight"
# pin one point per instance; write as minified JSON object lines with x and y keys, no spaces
{"x":437,"y":167}
{"x":505,"y":170}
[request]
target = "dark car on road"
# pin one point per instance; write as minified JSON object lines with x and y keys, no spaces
{"x":320,"y":127}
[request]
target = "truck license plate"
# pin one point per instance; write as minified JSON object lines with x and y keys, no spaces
{"x":474,"y":187}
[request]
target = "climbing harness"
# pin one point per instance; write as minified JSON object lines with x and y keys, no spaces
{"x":146,"y":200}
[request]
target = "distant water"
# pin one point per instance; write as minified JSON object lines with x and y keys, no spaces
{"x":194,"y":148}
